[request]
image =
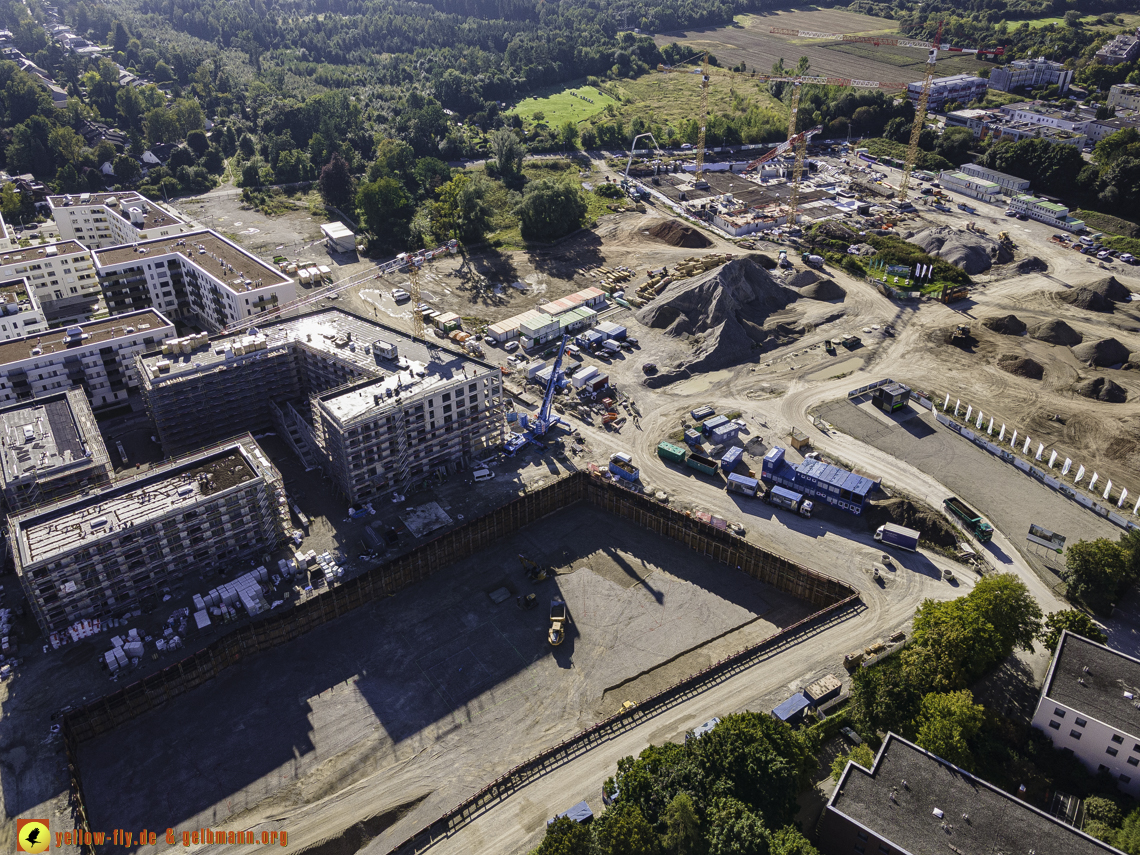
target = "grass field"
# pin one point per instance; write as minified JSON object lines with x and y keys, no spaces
{"x":1090,"y":21}
{"x":672,"y":96}
{"x":561,"y":105}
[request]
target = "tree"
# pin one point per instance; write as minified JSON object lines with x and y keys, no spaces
{"x":336,"y":183}
{"x":197,"y":141}
{"x":387,"y":209}
{"x":1073,"y":18}
{"x":946,"y":723}
{"x":1094,"y":572}
{"x":861,"y":754}
{"x":789,"y":841}
{"x":565,"y":837}
{"x":127,"y":170}
{"x":430,"y":174}
{"x":1075,"y":622}
{"x":550,"y":209}
{"x":623,"y":830}
{"x":1128,"y":838}
{"x":962,"y":644}
{"x":1005,"y":602}
{"x":568,"y":135}
{"x":735,"y":830}
{"x":682,"y":826}
{"x":507,"y":150}
{"x":130,"y":106}
{"x":1100,"y":809}
{"x":462,"y":211}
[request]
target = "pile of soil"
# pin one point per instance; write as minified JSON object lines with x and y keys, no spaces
{"x":725,"y":314}
{"x":814,"y":286}
{"x":1055,"y":332}
{"x":1032,"y":264}
{"x":1110,"y":288}
{"x":765,"y":261}
{"x":834,"y":230}
{"x":935,"y":528}
{"x":1021,"y":366}
{"x":1102,"y":353}
{"x":1086,"y":298}
{"x":1100,"y":389}
{"x":1005,"y":325}
{"x":676,"y":233}
{"x":972,"y":252}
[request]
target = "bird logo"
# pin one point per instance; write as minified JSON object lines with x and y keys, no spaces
{"x":32,"y":836}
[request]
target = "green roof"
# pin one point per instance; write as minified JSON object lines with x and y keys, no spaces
{"x":1053,"y":206}
{"x":973,"y":179}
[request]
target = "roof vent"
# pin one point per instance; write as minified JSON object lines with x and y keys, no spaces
{"x":938,"y":813}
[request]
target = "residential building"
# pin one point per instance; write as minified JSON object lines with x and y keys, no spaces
{"x":958,"y":87}
{"x":1042,"y":113}
{"x":971,"y":185}
{"x":818,"y":480}
{"x":1050,"y":213}
{"x":62,"y":275}
{"x":976,"y":120}
{"x":98,"y":220}
{"x":374,"y":407}
{"x":198,"y":275}
{"x":1088,"y":706}
{"x":102,"y":554}
{"x":1030,"y":73}
{"x":1121,"y":49}
{"x":7,"y":237}
{"x":912,"y":802}
{"x":20,"y":312}
{"x":50,"y":447}
{"x":1124,"y":96}
{"x":1098,"y":129}
{"x":97,"y":356}
{"x":1009,"y":184}
{"x":1018,"y":131}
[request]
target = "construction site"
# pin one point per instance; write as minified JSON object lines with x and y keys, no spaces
{"x":470,"y":483}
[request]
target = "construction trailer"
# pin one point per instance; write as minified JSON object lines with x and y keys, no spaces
{"x":831,"y":484}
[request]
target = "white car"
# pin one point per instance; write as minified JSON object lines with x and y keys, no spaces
{"x":511,"y":346}
{"x":399,"y":294}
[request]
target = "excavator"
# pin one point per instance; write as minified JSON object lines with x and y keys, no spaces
{"x":533,"y":571}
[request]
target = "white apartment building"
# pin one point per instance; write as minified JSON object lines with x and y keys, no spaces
{"x":97,"y":356}
{"x":1124,"y":96}
{"x":62,"y":276}
{"x":1090,"y":705}
{"x":1010,"y":184}
{"x":1031,"y":72}
{"x":958,"y":87}
{"x":1038,"y":113}
{"x":1098,"y":129}
{"x":97,"y":220}
{"x":971,"y":185}
{"x":20,"y":312}
{"x":198,"y":275}
{"x":1049,"y":213}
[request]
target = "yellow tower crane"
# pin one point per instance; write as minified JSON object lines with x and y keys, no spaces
{"x":414,"y":289}
{"x":920,"y":115}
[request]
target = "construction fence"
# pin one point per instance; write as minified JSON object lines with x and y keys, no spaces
{"x":121,"y":706}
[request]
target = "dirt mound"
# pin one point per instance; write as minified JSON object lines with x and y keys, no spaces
{"x":1100,"y":389}
{"x":1020,"y":366}
{"x":972,"y":252}
{"x":1110,"y":288}
{"x":1032,"y":264}
{"x":935,"y":528}
{"x":1102,"y":353}
{"x":1055,"y":332}
{"x":826,"y":290}
{"x":832,"y":229}
{"x":1005,"y":325}
{"x":725,"y":314}
{"x":1086,"y":298}
{"x":677,"y":233}
{"x":765,"y":261}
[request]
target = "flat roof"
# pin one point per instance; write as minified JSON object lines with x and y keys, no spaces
{"x":38,"y":253}
{"x":47,"y":434}
{"x":836,"y":476}
{"x":59,"y":527}
{"x":1099,"y":691}
{"x":205,"y":249}
{"x":155,"y":215}
{"x":337,"y":230}
{"x":94,"y":332}
{"x":918,"y":802}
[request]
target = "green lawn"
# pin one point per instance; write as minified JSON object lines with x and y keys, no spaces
{"x":562,"y":105}
{"x":1130,"y":20}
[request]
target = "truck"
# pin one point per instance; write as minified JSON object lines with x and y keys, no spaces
{"x":962,"y":206}
{"x":701,"y":463}
{"x":793,"y":501}
{"x":897,"y":535}
{"x":813,"y":260}
{"x":672,"y":453}
{"x":977,"y":526}
{"x":558,"y":621}
{"x":744,"y":484}
{"x":621,"y":466}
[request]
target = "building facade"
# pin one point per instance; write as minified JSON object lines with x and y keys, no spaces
{"x":102,"y":554}
{"x":1124,"y":96}
{"x":373,"y":407}
{"x":97,"y":356}
{"x":1098,"y":129}
{"x":1018,"y":131}
{"x":198,"y":275}
{"x":1030,"y":73}
{"x":20,"y":311}
{"x":1009,"y":184}
{"x":62,"y":276}
{"x":1088,"y":707}
{"x":98,"y":220}
{"x":1050,"y":213}
{"x":981,"y":189}
{"x":1121,"y":49}
{"x":50,"y":447}
{"x":912,"y":802}
{"x":958,"y":87}
{"x":1041,"y":113}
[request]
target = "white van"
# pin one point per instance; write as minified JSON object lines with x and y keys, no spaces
{"x":1086,"y":240}
{"x":483,"y":474}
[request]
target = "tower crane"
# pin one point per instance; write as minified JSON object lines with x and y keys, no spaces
{"x":919,"y":116}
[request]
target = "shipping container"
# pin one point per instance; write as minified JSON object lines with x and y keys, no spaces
{"x":702,"y":413}
{"x":744,"y":484}
{"x":731,"y":458}
{"x":701,"y":463}
{"x":672,"y":453}
{"x":713,"y":423}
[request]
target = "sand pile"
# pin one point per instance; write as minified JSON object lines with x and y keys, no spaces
{"x":1100,"y":389}
{"x":1055,"y":332}
{"x":1102,"y":353}
{"x":1110,"y":288}
{"x":765,"y":261}
{"x":1021,"y":366}
{"x":814,"y":286}
{"x":676,"y":233}
{"x":1005,"y":325}
{"x":726,"y":315}
{"x":972,"y":252}
{"x":1032,"y":264}
{"x":1086,"y":298}
{"x":935,"y":528}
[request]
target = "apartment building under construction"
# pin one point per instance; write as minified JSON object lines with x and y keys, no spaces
{"x":376,"y":409}
{"x":107,"y":552}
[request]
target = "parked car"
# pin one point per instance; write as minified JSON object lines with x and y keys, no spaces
{"x":698,"y":732}
{"x":1011,"y":213}
{"x":399,"y":295}
{"x":511,"y":346}
{"x":489,"y":340}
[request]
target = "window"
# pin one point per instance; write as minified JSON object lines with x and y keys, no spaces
{"x":1118,"y":739}
{"x":862,"y":835}
{"x":1102,"y":768}
{"x":1111,"y":752}
{"x":1133,"y":761}
{"x":1076,"y":734}
{"x":1056,"y":725}
{"x":1080,"y":722}
{"x":1060,"y":713}
{"x":1124,"y":779}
